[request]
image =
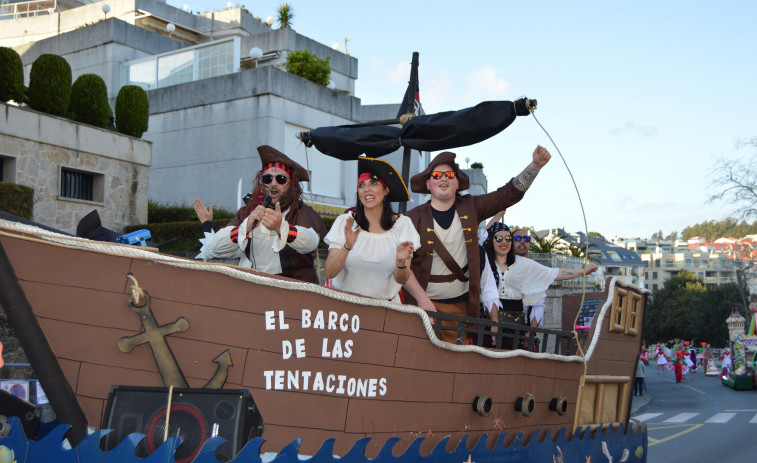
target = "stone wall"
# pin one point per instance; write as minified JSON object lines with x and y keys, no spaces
{"x":39,"y":145}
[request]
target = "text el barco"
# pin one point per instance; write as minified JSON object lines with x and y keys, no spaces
{"x":317,"y":381}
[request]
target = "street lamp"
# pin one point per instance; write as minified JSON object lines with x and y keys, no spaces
{"x":106,"y":9}
{"x":335,"y":46}
{"x":467,"y":160}
{"x":255,"y":54}
{"x":269,"y":20}
{"x":170,"y":27}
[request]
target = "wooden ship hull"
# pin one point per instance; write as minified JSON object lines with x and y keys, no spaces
{"x":320,"y":364}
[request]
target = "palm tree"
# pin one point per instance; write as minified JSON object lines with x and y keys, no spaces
{"x":579,"y":250}
{"x":550,"y":244}
{"x":285,"y":14}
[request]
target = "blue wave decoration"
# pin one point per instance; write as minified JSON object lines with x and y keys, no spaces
{"x":618,"y":443}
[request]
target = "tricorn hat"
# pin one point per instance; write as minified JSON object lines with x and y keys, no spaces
{"x":418,"y":181}
{"x":387,"y":173}
{"x":269,"y":155}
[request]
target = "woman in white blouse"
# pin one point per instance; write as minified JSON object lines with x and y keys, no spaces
{"x":370,"y":248}
{"x":520,"y":281}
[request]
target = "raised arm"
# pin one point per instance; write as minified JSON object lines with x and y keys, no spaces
{"x":496,"y":218}
{"x":540,"y":158}
{"x":568,"y":273}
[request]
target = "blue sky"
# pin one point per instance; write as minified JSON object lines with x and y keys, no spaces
{"x":641,"y":97}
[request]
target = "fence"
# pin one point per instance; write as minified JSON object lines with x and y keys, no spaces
{"x":27,"y":9}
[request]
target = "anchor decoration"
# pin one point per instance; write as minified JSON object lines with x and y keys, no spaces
{"x":155,"y":335}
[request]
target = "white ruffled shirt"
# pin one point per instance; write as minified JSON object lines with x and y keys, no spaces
{"x":526,"y":280}
{"x":265,"y":246}
{"x":370,"y":264}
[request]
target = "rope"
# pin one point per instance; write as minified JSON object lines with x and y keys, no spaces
{"x":136,"y":291}
{"x":317,"y":254}
{"x":262,"y":279}
{"x":168,"y":412}
{"x":586,"y":252}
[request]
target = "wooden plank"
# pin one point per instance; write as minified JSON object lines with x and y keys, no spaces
{"x":71,"y":372}
{"x":401,"y":384}
{"x":81,"y":305}
{"x":93,"y":409}
{"x":216,"y":290}
{"x":91,"y":270}
{"x":422,"y":355}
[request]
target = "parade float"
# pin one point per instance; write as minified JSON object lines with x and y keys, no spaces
{"x":743,"y":345}
{"x":147,"y":355}
{"x":116,"y":332}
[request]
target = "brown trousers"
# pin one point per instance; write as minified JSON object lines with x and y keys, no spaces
{"x":459,"y":308}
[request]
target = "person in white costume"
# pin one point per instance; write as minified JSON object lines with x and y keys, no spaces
{"x":370,"y":247}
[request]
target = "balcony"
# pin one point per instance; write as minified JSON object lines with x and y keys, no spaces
{"x":27,"y":9}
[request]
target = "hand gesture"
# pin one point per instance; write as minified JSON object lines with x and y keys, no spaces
{"x":272,"y":218}
{"x":404,"y":252}
{"x":255,"y":217}
{"x":591,"y":268}
{"x":541,"y":156}
{"x":350,"y":235}
{"x":203,"y":214}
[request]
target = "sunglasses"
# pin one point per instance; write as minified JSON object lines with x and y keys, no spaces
{"x":526,"y":239}
{"x":281,"y":179}
{"x":499,"y":238}
{"x":436,"y":175}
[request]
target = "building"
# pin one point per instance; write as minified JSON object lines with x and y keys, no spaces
{"x":209,"y":111}
{"x":713,"y":263}
{"x":613,"y":260}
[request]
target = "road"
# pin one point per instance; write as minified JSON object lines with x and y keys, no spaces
{"x":699,"y":420}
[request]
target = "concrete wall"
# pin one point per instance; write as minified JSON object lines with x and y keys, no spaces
{"x":38,"y":145}
{"x":207,"y":132}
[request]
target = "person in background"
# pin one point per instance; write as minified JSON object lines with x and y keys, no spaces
{"x":275,"y":232}
{"x":370,"y":249}
{"x":638,"y":385}
{"x":521,"y":282}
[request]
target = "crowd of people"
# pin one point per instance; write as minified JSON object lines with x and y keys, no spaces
{"x":682,"y":357}
{"x":430,"y":257}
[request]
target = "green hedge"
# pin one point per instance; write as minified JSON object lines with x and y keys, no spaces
{"x":89,"y":101}
{"x":50,"y":85}
{"x":132,"y":110}
{"x":308,"y":66}
{"x":11,"y":75}
{"x":17,"y":199}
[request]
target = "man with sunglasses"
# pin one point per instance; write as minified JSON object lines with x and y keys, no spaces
{"x":276,"y":232}
{"x":521,"y":246}
{"x":448,"y":226}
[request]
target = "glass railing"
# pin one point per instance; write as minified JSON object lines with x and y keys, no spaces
{"x":186,"y":65}
{"x":27,"y":9}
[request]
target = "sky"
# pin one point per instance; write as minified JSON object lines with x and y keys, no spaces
{"x":641,"y":98}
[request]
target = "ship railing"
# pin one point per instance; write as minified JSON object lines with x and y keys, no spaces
{"x":508,"y":335}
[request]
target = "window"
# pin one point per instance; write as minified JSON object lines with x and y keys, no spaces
{"x":654,"y":287}
{"x":654,"y":275}
{"x":82,"y":185}
{"x":7,"y":169}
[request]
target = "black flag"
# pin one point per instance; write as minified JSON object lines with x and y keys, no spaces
{"x":412,"y":96}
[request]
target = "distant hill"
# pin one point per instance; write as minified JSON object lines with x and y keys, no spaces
{"x":713,"y":230}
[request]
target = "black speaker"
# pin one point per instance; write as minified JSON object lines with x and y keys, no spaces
{"x":28,"y":413}
{"x":196,"y":415}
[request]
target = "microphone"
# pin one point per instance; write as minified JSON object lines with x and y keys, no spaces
{"x":266,"y":204}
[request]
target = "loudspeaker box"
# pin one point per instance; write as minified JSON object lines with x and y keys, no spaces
{"x":196,"y":415}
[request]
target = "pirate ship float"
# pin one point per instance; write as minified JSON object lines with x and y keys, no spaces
{"x":321,"y":365}
{"x":300,"y":369}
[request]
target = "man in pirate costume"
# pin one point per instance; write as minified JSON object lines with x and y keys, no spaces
{"x":280,"y":237}
{"x":448,"y":226}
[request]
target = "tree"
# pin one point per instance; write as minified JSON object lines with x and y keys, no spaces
{"x":672,"y":236}
{"x":596,"y":235}
{"x":685,"y":308}
{"x":579,"y":250}
{"x":657,"y":236}
{"x":285,"y":14}
{"x":476,"y":165}
{"x":735,"y":182}
{"x":550,"y":244}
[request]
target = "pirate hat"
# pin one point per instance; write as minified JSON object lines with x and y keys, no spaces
{"x":270,"y":155}
{"x":387,"y":173}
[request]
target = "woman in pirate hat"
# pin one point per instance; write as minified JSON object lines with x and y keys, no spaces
{"x":370,"y":248}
